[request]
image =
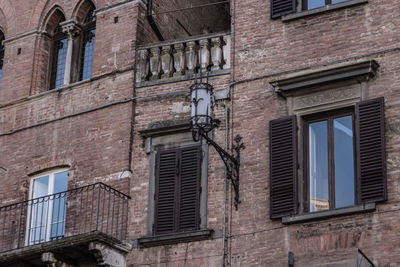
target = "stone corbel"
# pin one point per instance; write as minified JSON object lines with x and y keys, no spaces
{"x":107,"y":256}
{"x":50,"y":260}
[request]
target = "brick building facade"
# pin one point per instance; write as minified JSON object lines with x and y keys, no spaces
{"x":98,"y":166}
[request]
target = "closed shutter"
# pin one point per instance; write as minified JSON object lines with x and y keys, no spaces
{"x":371,"y":160}
{"x":177,"y":205}
{"x":189,"y":193}
{"x":283,"y":167}
{"x":166,"y":183}
{"x":282,"y":7}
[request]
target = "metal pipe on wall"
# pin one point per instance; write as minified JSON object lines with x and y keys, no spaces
{"x":153,"y":25}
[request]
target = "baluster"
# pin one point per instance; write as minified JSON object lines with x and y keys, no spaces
{"x":227,"y":52}
{"x":155,"y":63}
{"x":216,"y":53}
{"x":179,"y":60}
{"x":204,"y":54}
{"x":142,"y":66}
{"x":191,"y":57}
{"x":166,"y":62}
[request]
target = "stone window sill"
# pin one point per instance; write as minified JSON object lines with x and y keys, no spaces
{"x":175,"y":238}
{"x":328,"y":213}
{"x":322,"y":9}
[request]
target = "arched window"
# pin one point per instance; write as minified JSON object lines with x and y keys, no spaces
{"x":1,"y":56}
{"x":58,"y":58}
{"x":88,"y":34}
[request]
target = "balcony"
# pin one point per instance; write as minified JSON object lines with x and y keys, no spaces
{"x":68,"y":227}
{"x":181,"y":60}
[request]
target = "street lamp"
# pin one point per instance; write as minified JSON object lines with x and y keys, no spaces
{"x":202,"y":122}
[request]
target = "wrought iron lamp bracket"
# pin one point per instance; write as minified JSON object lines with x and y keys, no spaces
{"x":232,"y":162}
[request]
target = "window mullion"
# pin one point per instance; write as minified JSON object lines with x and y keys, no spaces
{"x":49,"y":205}
{"x":331,"y":164}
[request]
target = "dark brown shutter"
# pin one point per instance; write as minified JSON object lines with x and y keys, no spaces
{"x":177,"y":196}
{"x":371,"y":160}
{"x":166,"y":171}
{"x":189,"y":193}
{"x":282,"y":7}
{"x":283,"y":167}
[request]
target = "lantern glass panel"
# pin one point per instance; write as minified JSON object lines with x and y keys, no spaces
{"x":201,"y":106}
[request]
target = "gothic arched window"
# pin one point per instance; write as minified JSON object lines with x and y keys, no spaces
{"x":88,"y":34}
{"x":58,"y":58}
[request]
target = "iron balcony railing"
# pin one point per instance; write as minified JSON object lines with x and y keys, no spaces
{"x":96,"y":207}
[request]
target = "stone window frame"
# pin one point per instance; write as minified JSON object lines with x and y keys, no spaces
{"x":332,"y":88}
{"x":167,"y":135}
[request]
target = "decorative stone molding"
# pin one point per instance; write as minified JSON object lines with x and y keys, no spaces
{"x":216,"y":53}
{"x":191,"y":56}
{"x":360,"y":71}
{"x":166,"y":61}
{"x":71,"y":28}
{"x":107,"y":256}
{"x":182,"y":60}
{"x":179,"y":59}
{"x":155,"y":64}
{"x":204,"y":54}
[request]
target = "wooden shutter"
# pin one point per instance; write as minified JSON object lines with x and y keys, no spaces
{"x":177,"y":196}
{"x":283,"y":167}
{"x":189,"y":193}
{"x":165,"y":195}
{"x":371,"y":159}
{"x":282,"y":7}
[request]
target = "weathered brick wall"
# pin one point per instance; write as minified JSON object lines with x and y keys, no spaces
{"x":96,"y":144}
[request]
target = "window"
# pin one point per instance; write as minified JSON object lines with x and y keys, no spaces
{"x":177,"y":195}
{"x":59,"y":54}
{"x":1,"y":56}
{"x":310,"y":4}
{"x":177,"y":202}
{"x":89,"y":33}
{"x":329,"y":145}
{"x":344,"y":162}
{"x":293,"y":9}
{"x":47,"y":207}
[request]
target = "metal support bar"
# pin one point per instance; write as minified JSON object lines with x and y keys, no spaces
{"x":363,"y":256}
{"x":232,"y":162}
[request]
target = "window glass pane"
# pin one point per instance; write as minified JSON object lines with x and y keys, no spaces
{"x":60,"y":53}
{"x":315,"y":3}
{"x":318,"y":166}
{"x":337,"y":1}
{"x":87,"y":55}
{"x":38,"y":209}
{"x":344,"y":161}
{"x":40,"y":187}
{"x":59,"y":205}
{"x":60,"y":182}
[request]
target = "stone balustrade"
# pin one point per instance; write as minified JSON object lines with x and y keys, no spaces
{"x":181,"y":60}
